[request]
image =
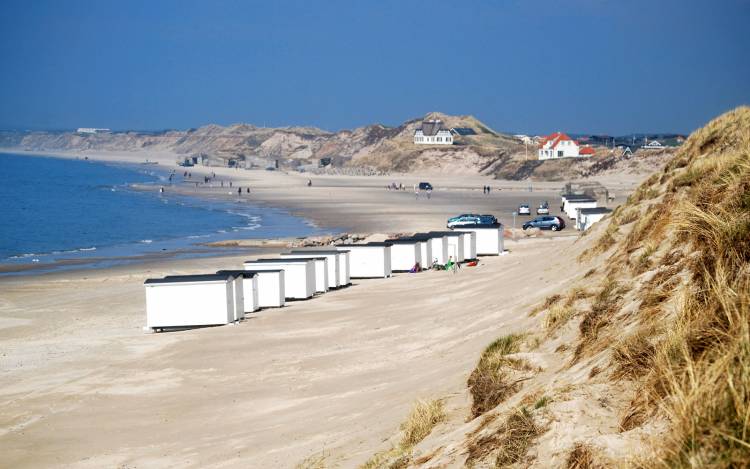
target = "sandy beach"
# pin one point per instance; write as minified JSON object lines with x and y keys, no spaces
{"x":84,"y":386}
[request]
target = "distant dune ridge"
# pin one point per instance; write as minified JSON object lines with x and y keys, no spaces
{"x":376,"y":147}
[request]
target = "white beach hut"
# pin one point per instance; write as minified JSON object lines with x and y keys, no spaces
{"x":271,"y":292}
{"x":455,"y":240}
{"x":572,"y":206}
{"x":425,"y":249}
{"x":565,"y":198}
{"x":190,"y":300}
{"x":589,"y":216}
{"x":343,"y":258}
{"x":470,"y":245}
{"x":489,"y":238}
{"x":249,"y":288}
{"x":405,"y":254}
{"x":438,"y":247}
{"x":333,"y":264}
{"x":299,"y":275}
{"x":321,"y":269}
{"x":369,"y":260}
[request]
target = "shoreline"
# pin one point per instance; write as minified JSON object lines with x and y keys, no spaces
{"x":220,"y":243}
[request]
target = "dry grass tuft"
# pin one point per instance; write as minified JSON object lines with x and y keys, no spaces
{"x":494,"y":378}
{"x":316,"y":461}
{"x":510,"y":443}
{"x":633,"y":356}
{"x":422,"y":419}
{"x":424,"y":416}
{"x":581,"y":457}
{"x":606,"y":303}
{"x":603,"y":244}
{"x":557,"y":317}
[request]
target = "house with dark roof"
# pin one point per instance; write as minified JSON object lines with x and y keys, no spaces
{"x":560,"y":145}
{"x":432,"y":132}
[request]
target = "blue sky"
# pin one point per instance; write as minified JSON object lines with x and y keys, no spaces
{"x":595,"y":66}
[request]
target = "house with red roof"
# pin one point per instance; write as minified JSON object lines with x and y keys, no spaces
{"x":559,"y":145}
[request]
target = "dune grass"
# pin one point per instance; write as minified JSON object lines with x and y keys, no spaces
{"x":493,"y":380}
{"x":694,"y":369}
{"x":423,"y":418}
{"x":510,"y":443}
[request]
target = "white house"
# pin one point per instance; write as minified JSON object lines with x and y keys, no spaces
{"x":433,"y":133}
{"x":190,"y":300}
{"x":559,"y":145}
{"x":653,"y":145}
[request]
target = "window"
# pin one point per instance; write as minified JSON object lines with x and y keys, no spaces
{"x":560,"y":154}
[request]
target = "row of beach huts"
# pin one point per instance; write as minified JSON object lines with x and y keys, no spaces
{"x":226,"y":296}
{"x":582,"y":209}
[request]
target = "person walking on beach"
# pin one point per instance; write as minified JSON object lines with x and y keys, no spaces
{"x":309,"y":183}
{"x":429,"y":193}
{"x":247,"y":189}
{"x":416,"y":193}
{"x":239,"y":191}
{"x":230,"y":183}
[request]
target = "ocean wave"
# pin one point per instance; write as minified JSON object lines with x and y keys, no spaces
{"x":92,"y":248}
{"x":147,"y":241}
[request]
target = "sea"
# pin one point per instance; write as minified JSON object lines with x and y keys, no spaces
{"x":60,"y":214}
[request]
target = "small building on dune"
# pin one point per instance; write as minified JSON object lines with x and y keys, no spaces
{"x":432,"y":132}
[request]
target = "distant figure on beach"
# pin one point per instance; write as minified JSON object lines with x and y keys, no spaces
{"x":309,"y":182}
{"x":161,"y":190}
{"x":489,"y":189}
{"x":222,"y":183}
{"x":239,"y":191}
{"x":247,"y":190}
{"x":416,"y":193}
{"x":429,"y":193}
{"x":230,"y":183}
{"x":190,"y":175}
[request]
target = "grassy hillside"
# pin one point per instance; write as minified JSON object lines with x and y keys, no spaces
{"x":645,"y":360}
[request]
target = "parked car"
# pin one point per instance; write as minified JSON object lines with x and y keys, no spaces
{"x":545,"y":223}
{"x":543,"y":209}
{"x":524,"y":209}
{"x":462,"y":220}
{"x":471,"y":219}
{"x":425,"y":186}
